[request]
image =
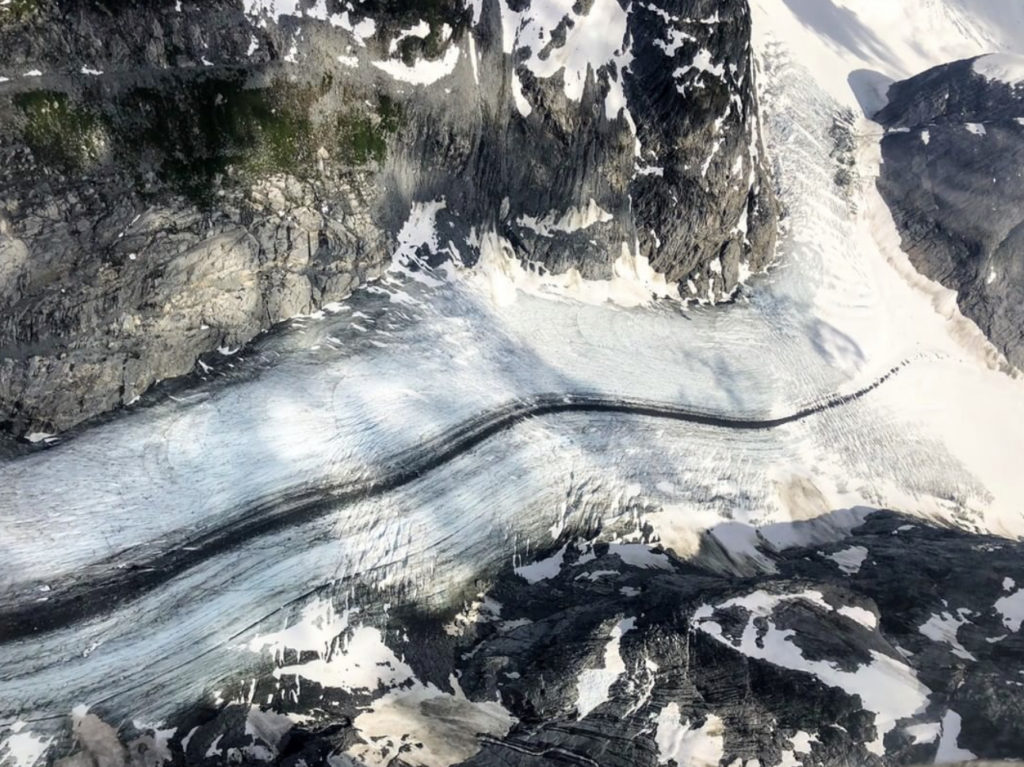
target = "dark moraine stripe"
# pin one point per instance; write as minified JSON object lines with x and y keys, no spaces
{"x":127,"y":575}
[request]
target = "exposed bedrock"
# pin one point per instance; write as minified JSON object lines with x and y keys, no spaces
{"x":900,"y":645}
{"x":953,"y":163}
{"x":176,"y":177}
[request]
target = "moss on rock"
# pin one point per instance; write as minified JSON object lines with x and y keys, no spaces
{"x":61,"y":134}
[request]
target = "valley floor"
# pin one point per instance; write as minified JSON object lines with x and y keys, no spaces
{"x":348,"y":398}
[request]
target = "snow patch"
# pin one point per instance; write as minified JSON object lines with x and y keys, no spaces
{"x":427,"y":727}
{"x":420,"y":29}
{"x":859,"y":615}
{"x":274,"y":9}
{"x":949,"y":747}
{"x":1002,"y":67}
{"x":1011,"y":608}
{"x":943,"y":628}
{"x":315,"y":631}
{"x":522,"y":103}
{"x":445,"y":725}
{"x":419,"y":231}
{"x":592,"y":39}
{"x":575,"y":219}
{"x":501,"y":275}
{"x":799,"y":746}
{"x":640,"y":555}
{"x":423,"y":71}
{"x":21,"y":748}
{"x":923,"y":733}
{"x":850,"y":560}
{"x":593,"y":684}
{"x":677,"y":740}
{"x":544,"y":568}
{"x":886,"y":687}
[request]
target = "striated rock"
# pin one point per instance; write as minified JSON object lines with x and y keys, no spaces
{"x":953,"y":162}
{"x":177,"y":177}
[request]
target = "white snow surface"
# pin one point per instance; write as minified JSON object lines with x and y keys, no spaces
{"x":886,"y":686}
{"x":677,"y":740}
{"x":19,"y":747}
{"x":420,"y":29}
{"x":943,"y":627}
{"x":445,"y":725}
{"x":504,"y":278}
{"x":542,"y":569}
{"x":949,"y":746}
{"x":850,"y":560}
{"x":857,"y":47}
{"x":574,"y":219}
{"x":594,"y":39}
{"x":316,"y":10}
{"x":1004,"y":67}
{"x":801,"y":744}
{"x":640,"y":555}
{"x":927,"y":732}
{"x":594,"y":684}
{"x":422,"y":71}
{"x":1011,"y":608}
{"x":864,"y":617}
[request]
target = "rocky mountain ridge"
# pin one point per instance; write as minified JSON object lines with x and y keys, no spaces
{"x":177,"y":177}
{"x":898,"y":645}
{"x":953,"y":161}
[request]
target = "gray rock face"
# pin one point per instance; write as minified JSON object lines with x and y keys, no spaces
{"x":953,"y":163}
{"x":177,"y":177}
{"x":901,"y":639}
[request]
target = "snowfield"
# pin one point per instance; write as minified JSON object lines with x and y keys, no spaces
{"x":353,"y":393}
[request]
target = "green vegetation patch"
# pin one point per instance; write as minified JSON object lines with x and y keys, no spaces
{"x":60,"y":133}
{"x":205,"y":134}
{"x":193,"y":133}
{"x":363,"y":137}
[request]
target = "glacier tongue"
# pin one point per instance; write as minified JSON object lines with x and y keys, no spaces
{"x":355,"y":393}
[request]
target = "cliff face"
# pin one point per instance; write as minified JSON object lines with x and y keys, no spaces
{"x":176,"y":177}
{"x":953,"y":160}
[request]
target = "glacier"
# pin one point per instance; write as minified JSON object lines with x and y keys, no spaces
{"x":348,"y":397}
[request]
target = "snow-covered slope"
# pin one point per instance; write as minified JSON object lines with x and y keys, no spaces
{"x":855,"y":48}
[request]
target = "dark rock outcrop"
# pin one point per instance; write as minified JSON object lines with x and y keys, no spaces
{"x":177,"y":176}
{"x":894,"y":647}
{"x":953,"y":163}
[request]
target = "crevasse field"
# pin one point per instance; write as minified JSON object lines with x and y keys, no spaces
{"x":870,"y":389}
